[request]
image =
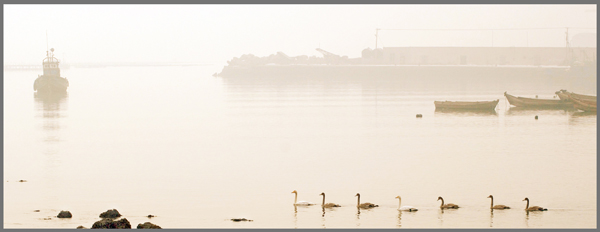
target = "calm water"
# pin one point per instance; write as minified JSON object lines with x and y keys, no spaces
{"x":197,"y":150}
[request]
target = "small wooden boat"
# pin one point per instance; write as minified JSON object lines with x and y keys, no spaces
{"x":537,"y":103}
{"x":565,"y":95}
{"x":587,"y":106}
{"x":466,"y":105}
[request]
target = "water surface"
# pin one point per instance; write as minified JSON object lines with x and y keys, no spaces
{"x":197,"y":150}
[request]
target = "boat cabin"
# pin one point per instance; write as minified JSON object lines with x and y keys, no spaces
{"x":50,"y":64}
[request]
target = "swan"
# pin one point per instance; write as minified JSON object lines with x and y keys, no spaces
{"x":533,"y":208}
{"x":447,"y":206}
{"x":300,"y":203}
{"x":365,"y":205}
{"x":492,"y":206}
{"x":406,"y":207}
{"x":328,"y":205}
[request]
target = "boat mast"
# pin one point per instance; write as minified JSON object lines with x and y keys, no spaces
{"x":46,"y":42}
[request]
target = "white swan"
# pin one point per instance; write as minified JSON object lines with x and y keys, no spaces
{"x":301,"y":203}
{"x":406,"y":207}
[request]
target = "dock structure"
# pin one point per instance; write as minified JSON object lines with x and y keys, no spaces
{"x":23,"y":67}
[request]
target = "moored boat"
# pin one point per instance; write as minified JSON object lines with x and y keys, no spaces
{"x":535,"y":102}
{"x":466,"y":105}
{"x":50,"y":80}
{"x":587,"y":106}
{"x":565,"y":95}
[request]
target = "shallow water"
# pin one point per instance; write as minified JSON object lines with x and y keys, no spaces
{"x":198,"y":150}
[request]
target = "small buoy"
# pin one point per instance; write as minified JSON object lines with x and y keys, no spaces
{"x":419,"y":115}
{"x":536,"y":117}
{"x":150,"y":216}
{"x":536,"y":96}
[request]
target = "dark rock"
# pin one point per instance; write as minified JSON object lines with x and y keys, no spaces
{"x":22,"y":181}
{"x":148,"y":225}
{"x":64,"y":214}
{"x":241,"y":220}
{"x":81,"y":227}
{"x":37,"y":210}
{"x":151,"y":216}
{"x":111,"y":213}
{"x":108,"y":223}
{"x":419,"y":115}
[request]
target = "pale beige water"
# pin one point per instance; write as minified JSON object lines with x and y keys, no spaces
{"x":197,"y":150}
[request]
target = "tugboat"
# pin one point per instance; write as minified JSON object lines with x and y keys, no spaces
{"x":50,"y":81}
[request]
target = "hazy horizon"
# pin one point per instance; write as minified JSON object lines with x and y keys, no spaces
{"x":217,"y":33}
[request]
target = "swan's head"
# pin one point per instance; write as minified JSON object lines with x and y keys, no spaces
{"x":294,"y":192}
{"x":490,"y":196}
{"x":526,"y":199}
{"x":398,"y":197}
{"x":322,"y":194}
{"x":357,"y":195}
{"x":439,"y":198}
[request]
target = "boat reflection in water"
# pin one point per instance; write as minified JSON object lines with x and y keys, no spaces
{"x":465,"y":112}
{"x":584,"y":113}
{"x":51,"y":107}
{"x":533,"y":110}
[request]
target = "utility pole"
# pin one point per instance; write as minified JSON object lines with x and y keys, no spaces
{"x":376,"y":34}
{"x":567,"y":47}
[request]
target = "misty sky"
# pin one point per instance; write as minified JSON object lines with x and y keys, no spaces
{"x":217,"y":33}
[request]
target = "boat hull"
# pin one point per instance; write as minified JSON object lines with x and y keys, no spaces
{"x":50,"y":84}
{"x":465,"y":105}
{"x":584,"y":105}
{"x":537,"y":103}
{"x":564,"y":95}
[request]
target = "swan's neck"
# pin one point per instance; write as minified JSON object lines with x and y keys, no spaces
{"x":442,"y":202}
{"x":323,"y":199}
{"x":358,"y":201}
{"x":492,"y":205}
{"x":399,"y":202}
{"x":295,"y":198}
{"x":527,"y":206}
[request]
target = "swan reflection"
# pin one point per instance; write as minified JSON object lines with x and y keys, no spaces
{"x":491,"y":217}
{"x":399,"y":218}
{"x":295,"y":217}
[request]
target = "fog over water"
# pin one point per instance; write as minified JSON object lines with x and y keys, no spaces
{"x":217,"y":33}
{"x":197,"y":145}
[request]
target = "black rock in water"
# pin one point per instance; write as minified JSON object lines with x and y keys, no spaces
{"x":108,"y":223}
{"x":81,"y":227}
{"x":148,"y":225}
{"x":111,"y":213}
{"x":64,"y":214}
{"x":240,"y":220}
